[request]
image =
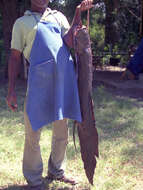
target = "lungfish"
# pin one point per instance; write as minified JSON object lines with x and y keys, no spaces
{"x":87,"y":132}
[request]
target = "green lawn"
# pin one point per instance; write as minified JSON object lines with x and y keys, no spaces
{"x":119,"y":122}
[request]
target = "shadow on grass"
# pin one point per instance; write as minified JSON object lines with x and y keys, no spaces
{"x":115,"y":116}
{"x":15,"y":187}
{"x":134,"y":154}
{"x":25,"y":187}
{"x":119,"y":121}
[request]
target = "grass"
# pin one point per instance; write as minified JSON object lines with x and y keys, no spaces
{"x":119,"y":123}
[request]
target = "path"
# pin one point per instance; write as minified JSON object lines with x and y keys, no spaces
{"x":110,"y":78}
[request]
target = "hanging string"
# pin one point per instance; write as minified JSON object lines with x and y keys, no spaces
{"x":88,"y":19}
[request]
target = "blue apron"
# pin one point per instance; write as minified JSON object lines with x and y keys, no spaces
{"x":136,"y":63}
{"x":52,"y":92}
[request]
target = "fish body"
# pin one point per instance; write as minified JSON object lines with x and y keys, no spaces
{"x":87,"y":132}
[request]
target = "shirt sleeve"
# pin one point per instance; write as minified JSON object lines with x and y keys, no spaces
{"x":17,"y":41}
{"x":64,"y":23}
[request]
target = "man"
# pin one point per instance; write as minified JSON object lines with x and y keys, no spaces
{"x":52,"y":94}
{"x":135,"y":66}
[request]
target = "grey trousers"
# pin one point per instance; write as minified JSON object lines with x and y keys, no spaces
{"x":32,"y":161}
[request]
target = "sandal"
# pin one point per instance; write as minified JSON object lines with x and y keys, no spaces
{"x":63,"y":179}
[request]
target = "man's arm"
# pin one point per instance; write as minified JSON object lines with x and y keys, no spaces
{"x":13,"y":70}
{"x":68,"y":37}
{"x":85,"y":5}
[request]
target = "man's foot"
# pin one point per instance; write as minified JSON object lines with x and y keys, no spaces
{"x":128,"y":75}
{"x":64,"y":179}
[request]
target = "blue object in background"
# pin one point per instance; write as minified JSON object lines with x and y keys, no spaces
{"x":136,"y":63}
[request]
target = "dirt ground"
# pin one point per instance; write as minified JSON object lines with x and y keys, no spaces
{"x":110,"y":78}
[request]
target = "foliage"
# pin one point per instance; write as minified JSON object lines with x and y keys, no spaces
{"x":97,"y":30}
{"x":129,"y":16}
{"x":126,"y":22}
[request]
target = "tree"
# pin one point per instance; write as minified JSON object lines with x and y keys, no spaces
{"x":121,"y":21}
{"x":10,"y":11}
{"x":111,"y":25}
{"x":141,"y":25}
{"x":9,"y":14}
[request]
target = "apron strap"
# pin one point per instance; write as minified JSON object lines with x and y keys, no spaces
{"x":35,"y":17}
{"x":37,"y":20}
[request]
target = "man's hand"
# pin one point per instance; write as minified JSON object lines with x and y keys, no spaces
{"x":68,"y":37}
{"x":11,"y":101}
{"x":86,"y":5}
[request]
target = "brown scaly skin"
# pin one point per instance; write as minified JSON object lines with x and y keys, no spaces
{"x":87,"y":131}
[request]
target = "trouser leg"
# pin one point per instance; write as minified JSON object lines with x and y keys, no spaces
{"x":32,"y":161}
{"x":56,"y":165}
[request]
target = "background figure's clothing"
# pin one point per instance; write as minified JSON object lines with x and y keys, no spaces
{"x":25,"y":27}
{"x":136,"y":63}
{"x":52,"y":84}
{"x":32,"y":161}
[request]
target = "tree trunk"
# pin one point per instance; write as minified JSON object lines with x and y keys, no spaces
{"x":141,"y":25}
{"x":8,"y":9}
{"x":111,"y":26}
